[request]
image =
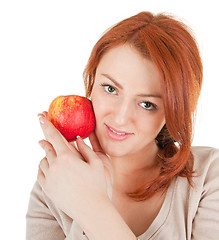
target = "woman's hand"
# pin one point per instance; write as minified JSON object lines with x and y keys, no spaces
{"x":75,"y":179}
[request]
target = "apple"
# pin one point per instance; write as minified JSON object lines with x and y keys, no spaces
{"x":72,"y":115}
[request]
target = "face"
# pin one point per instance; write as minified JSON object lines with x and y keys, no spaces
{"x":127,"y":101}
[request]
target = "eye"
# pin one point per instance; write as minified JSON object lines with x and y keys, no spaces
{"x":109,"y":89}
{"x":148,"y":106}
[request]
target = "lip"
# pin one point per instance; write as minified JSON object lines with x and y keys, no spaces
{"x":119,"y":135}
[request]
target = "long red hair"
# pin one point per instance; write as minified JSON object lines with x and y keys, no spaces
{"x":169,"y":44}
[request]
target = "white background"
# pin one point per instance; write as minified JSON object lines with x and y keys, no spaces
{"x":44,"y":47}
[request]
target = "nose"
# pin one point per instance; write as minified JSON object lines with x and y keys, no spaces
{"x":123,"y":112}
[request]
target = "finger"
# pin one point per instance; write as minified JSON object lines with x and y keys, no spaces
{"x":95,"y":143}
{"x":71,"y":144}
{"x":88,"y":154}
{"x":49,"y":150}
{"x":60,"y":138}
{"x":53,"y":136}
{"x":44,"y":166}
{"x":43,"y":114}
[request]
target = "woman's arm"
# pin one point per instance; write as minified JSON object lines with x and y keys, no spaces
{"x":40,"y":221}
{"x":75,"y":180}
{"x":104,"y":222}
{"x":45,"y":221}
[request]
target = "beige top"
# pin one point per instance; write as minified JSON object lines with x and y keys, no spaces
{"x":187,"y":213}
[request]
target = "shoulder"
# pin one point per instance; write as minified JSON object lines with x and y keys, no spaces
{"x":197,"y":206}
{"x":205,"y":158}
{"x":205,"y":180}
{"x":204,"y":152}
{"x":204,"y":197}
{"x":206,"y":167}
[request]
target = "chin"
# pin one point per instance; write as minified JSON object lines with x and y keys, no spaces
{"x":115,"y":149}
{"x":116,"y":153}
{"x":112,"y":150}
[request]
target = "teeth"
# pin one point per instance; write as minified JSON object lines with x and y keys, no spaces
{"x":117,"y":132}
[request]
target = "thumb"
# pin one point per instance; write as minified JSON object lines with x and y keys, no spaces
{"x":88,"y":154}
{"x":95,"y":142}
{"x":93,"y":159}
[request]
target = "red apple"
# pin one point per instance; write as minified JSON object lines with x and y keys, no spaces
{"x":72,"y":115}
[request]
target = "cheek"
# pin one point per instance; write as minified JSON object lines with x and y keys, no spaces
{"x":152,"y":124}
{"x":102,"y":104}
{"x":99,"y":106}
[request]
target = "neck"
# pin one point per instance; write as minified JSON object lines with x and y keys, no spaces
{"x":131,"y":171}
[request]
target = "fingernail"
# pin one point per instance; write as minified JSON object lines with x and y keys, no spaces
{"x":80,"y":138}
{"x":42,"y":120}
{"x":41,"y":143}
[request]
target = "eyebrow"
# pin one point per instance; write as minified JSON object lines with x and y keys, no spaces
{"x":113,"y":80}
{"x":120,"y":86}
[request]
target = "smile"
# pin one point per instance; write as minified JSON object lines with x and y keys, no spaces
{"x":116,"y":134}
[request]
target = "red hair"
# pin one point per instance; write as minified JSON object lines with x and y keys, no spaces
{"x":169,"y":44}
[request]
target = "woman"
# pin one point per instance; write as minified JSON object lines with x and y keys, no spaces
{"x":141,"y":179}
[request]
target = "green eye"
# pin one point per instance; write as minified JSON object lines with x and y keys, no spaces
{"x":109,"y":89}
{"x":148,"y":105}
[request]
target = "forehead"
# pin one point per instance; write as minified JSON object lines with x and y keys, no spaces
{"x":127,"y":66}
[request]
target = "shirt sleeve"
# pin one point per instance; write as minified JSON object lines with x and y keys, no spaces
{"x":206,"y":221}
{"x":41,"y":223}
